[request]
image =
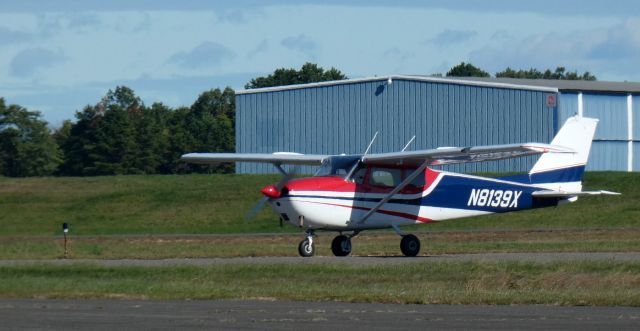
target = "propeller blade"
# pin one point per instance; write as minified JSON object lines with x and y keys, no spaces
{"x":279,"y":185}
{"x":286,"y":178}
{"x":256,"y":209}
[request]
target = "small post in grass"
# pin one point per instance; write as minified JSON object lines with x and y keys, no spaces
{"x":65,"y":230}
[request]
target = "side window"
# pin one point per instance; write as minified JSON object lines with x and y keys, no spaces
{"x":417,"y":182}
{"x":358,"y":177}
{"x":385,"y":177}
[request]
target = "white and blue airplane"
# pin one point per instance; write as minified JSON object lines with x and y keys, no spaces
{"x":352,"y":193}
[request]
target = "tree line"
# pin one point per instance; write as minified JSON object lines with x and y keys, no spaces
{"x":121,"y":135}
{"x":469,"y":70}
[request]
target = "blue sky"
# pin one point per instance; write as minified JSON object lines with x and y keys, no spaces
{"x":58,"y":56}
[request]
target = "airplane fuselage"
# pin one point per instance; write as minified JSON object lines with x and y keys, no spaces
{"x":334,"y":203}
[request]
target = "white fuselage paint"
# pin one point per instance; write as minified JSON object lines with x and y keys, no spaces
{"x":340,"y":211}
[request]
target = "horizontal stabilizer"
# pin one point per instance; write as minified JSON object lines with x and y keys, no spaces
{"x":563,"y":194}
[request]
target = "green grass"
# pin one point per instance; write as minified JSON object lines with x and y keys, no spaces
{"x":374,"y":243}
{"x":561,"y":283}
{"x":132,"y":204}
{"x":217,"y":204}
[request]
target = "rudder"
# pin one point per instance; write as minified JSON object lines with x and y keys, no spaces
{"x":563,"y":171}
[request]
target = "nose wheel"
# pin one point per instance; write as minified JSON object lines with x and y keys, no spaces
{"x":341,"y":245}
{"x":307,"y":248}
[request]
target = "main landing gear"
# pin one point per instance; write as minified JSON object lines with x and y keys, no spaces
{"x":410,"y":244}
{"x":341,"y":245}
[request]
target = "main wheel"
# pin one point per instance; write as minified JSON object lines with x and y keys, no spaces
{"x":341,"y":245}
{"x":305,"y":249}
{"x":410,"y":245}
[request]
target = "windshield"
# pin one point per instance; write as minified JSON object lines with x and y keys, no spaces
{"x":337,"y":165}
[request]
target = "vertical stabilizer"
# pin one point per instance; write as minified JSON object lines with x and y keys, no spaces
{"x":563,"y":171}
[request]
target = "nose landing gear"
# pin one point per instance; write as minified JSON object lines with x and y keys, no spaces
{"x":306,"y":248}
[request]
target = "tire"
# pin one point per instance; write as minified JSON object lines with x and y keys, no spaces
{"x":410,"y":245}
{"x":306,"y":250}
{"x":341,"y":246}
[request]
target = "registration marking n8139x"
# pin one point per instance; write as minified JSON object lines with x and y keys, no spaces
{"x":494,"y":198}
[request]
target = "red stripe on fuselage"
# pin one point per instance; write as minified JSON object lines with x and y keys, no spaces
{"x":338,"y":184}
{"x":381,"y":211}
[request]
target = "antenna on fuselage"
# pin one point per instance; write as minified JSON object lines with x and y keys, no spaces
{"x":371,"y":143}
{"x":409,"y":143}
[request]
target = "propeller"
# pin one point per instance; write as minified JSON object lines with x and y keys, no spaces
{"x":273,"y":190}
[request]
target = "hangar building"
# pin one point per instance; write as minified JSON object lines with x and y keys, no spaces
{"x":343,"y":116}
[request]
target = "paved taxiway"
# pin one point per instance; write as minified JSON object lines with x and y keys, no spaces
{"x":351,"y":260}
{"x":259,"y":315}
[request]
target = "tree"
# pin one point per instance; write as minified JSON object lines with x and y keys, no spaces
{"x":207,"y":126}
{"x":466,"y":70}
{"x":559,"y":73}
{"x":103,"y":140}
{"x":152,"y":138}
{"x":308,"y":73}
{"x":27,"y":147}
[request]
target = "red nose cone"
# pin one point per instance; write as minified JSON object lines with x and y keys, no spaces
{"x":270,"y":192}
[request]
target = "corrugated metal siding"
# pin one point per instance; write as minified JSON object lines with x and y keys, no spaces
{"x":608,"y":155}
{"x":612,"y":112}
{"x":568,"y":106}
{"x":636,"y":118}
{"x":609,"y":151}
{"x":343,"y":119}
{"x":636,"y":132}
{"x":636,"y":156}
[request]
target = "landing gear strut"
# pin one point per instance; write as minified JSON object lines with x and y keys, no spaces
{"x":306,"y":248}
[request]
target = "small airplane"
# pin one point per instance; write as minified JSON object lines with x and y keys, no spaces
{"x":353,"y":193}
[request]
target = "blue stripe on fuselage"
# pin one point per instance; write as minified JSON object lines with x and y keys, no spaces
{"x":564,"y":175}
{"x":472,"y":193}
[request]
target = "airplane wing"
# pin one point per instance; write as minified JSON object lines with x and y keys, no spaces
{"x":563,"y":194}
{"x":450,"y":155}
{"x":275,"y":158}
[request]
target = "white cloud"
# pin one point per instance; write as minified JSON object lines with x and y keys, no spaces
{"x":301,"y":43}
{"x":448,"y":37}
{"x":32,"y":60}
{"x":608,"y":51}
{"x":207,"y":54}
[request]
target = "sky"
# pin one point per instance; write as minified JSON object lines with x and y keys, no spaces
{"x":58,"y":56}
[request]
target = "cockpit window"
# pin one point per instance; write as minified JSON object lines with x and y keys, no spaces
{"x":385,"y":177}
{"x":339,"y":165}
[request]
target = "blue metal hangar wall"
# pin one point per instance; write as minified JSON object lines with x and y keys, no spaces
{"x":616,"y":145}
{"x":342,"y":117}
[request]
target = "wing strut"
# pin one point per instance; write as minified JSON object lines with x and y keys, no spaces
{"x":393,"y":192}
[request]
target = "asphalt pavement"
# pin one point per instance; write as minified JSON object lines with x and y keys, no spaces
{"x":35,"y":314}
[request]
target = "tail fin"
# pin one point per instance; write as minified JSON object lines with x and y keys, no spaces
{"x":563,"y":171}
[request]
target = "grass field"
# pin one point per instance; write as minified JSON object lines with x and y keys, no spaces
{"x":374,"y":243}
{"x":199,"y":204}
{"x":170,"y":216}
{"x":570,"y":283}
